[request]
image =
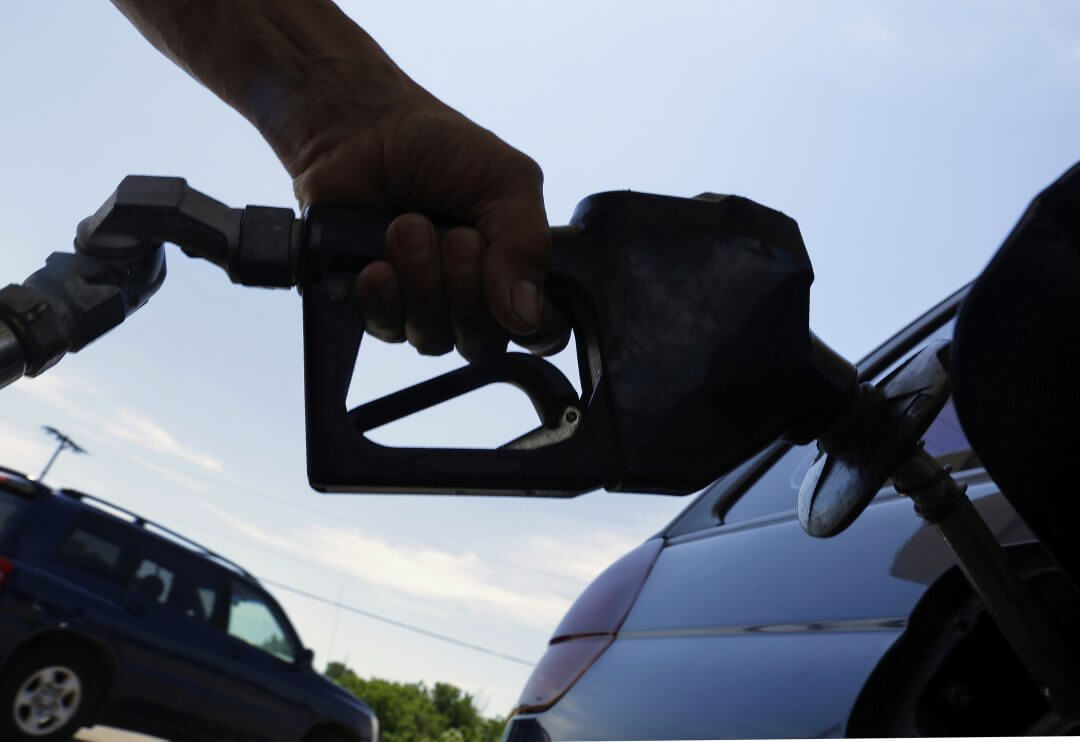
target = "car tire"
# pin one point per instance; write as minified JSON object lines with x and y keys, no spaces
{"x":48,"y":696}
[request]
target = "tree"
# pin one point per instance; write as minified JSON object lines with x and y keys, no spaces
{"x":411,"y":712}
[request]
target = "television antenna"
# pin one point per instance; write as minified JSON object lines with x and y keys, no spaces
{"x":65,"y":443}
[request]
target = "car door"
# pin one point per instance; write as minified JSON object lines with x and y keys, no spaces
{"x":265,"y":651}
{"x":174,"y":650}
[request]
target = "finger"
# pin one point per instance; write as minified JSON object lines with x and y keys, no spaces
{"x":513,"y":269}
{"x":476,"y":333}
{"x":517,"y":254}
{"x":552,"y":335}
{"x":412,"y":249}
{"x":378,"y":299}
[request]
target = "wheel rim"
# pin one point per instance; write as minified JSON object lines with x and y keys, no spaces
{"x":47,"y":700}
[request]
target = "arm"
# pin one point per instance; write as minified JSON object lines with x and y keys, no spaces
{"x":350,"y":126}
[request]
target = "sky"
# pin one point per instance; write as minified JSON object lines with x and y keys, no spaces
{"x":905,"y":138}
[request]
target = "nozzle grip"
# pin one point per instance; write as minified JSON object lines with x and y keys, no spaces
{"x":342,"y":459}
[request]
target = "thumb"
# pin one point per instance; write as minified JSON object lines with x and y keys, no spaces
{"x":515,"y":263}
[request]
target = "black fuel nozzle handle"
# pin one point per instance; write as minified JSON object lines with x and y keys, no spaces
{"x":691,"y":322}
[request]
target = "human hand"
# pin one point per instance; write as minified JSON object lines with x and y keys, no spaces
{"x":477,"y":284}
{"x":352,"y":128}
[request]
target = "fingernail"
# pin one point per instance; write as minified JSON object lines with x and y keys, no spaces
{"x":525,"y":301}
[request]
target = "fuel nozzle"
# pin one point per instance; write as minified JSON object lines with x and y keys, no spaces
{"x":870,"y":434}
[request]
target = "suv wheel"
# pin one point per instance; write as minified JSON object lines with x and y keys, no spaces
{"x":47,"y":696}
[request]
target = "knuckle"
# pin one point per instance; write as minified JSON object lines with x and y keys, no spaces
{"x":529,"y":170}
{"x":410,"y":236}
{"x":462,"y":245}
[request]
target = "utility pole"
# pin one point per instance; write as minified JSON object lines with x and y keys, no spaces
{"x":65,"y":442}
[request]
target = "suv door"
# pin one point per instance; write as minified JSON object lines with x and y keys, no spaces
{"x":266,"y":649}
{"x":173,"y":647}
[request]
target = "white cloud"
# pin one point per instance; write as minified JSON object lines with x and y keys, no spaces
{"x":429,"y":573}
{"x":133,"y":426}
{"x":57,"y":391}
{"x":580,"y":561}
{"x":20,"y":452}
{"x":245,"y":528}
{"x":75,"y":397}
{"x":185,"y":481}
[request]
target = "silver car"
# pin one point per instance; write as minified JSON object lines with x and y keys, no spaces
{"x":733,"y":623}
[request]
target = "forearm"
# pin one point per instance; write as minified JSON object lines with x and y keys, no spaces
{"x":291,"y":67}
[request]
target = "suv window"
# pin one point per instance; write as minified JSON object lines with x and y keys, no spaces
{"x":176,"y":581}
{"x":10,"y":503}
{"x":253,"y":620}
{"x":94,"y":545}
{"x":777,"y":489}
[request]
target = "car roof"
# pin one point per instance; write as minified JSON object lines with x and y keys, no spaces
{"x":151,"y":528}
{"x":19,"y":483}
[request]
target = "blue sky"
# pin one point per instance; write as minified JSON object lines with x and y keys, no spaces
{"x":905,"y":138}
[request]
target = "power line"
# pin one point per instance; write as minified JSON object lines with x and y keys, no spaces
{"x":337,"y":604}
{"x":375,"y":616}
{"x":270,"y":502}
{"x":264,"y":498}
{"x":322,"y":566}
{"x":399,"y":624}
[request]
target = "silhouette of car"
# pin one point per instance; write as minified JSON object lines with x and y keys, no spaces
{"x":106,"y":617}
{"x":733,"y":623}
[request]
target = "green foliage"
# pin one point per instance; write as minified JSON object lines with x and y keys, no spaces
{"x":412,"y":712}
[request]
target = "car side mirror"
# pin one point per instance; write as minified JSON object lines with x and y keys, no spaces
{"x":304,"y":659}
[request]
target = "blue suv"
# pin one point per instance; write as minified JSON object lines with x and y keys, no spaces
{"x":106,"y":617}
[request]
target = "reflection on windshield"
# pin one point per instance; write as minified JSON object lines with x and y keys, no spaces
{"x":946,"y":442}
